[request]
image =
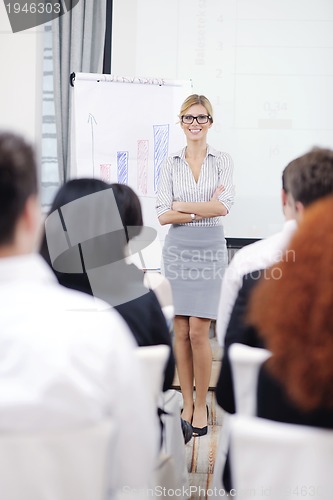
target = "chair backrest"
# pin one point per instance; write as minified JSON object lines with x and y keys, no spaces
{"x":66,"y":465}
{"x":276,"y":460}
{"x":245,"y":363}
{"x":173,"y":440}
{"x":153,"y":360}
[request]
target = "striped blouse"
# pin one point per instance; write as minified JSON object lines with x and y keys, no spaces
{"x":178,"y":184}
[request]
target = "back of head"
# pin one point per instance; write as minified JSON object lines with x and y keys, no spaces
{"x":69,"y":192}
{"x":18,"y":181}
{"x":309,"y":177}
{"x":77,"y":188}
{"x":128,"y":203}
{"x":86,"y":237}
{"x":99,"y":217}
{"x":129,"y":207}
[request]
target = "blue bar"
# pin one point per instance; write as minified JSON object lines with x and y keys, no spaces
{"x":122,"y":167}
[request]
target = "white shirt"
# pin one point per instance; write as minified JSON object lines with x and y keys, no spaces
{"x":259,"y":255}
{"x":178,"y":184}
{"x":67,"y":359}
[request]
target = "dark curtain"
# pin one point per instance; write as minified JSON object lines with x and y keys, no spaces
{"x":108,"y":38}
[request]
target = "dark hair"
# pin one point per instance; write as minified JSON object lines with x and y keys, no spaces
{"x":310,"y":177}
{"x":129,"y":207}
{"x":76,"y":188}
{"x":127,"y":201}
{"x":70,"y":191}
{"x":285,"y":177}
{"x":18,"y":181}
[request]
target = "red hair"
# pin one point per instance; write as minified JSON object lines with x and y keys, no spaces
{"x":292,"y":308}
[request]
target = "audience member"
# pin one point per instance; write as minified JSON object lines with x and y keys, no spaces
{"x":119,"y":283}
{"x":305,"y":180}
{"x":240,"y":332}
{"x":292,"y":310}
{"x":67,"y":360}
{"x":122,"y":285}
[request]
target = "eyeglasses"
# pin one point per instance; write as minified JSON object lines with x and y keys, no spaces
{"x":201,"y":119}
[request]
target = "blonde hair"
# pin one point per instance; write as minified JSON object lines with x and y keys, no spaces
{"x":196,"y":99}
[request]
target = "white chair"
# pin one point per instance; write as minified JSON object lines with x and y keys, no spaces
{"x":278,"y":461}
{"x":153,"y":360}
{"x":169,"y":471}
{"x":245,"y":363}
{"x":66,"y":465}
{"x":173,"y":439}
{"x":221,"y":456}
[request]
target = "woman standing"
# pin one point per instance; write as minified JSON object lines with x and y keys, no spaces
{"x":195,"y":191}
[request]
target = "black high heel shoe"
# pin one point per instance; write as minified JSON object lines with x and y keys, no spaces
{"x":201,"y":431}
{"x":187,"y":430}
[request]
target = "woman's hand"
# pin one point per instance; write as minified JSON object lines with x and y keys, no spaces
{"x":217,"y":192}
{"x":176,"y":205}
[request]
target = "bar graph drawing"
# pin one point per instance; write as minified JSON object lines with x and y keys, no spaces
{"x":123,"y":130}
{"x":105,"y":172}
{"x":122,"y":167}
{"x":143,"y":150}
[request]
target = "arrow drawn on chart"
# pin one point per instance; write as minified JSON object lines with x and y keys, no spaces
{"x":91,"y":120}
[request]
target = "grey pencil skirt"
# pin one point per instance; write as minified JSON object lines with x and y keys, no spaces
{"x":194,"y":261}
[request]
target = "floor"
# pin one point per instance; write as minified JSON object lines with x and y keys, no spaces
{"x":201,"y":452}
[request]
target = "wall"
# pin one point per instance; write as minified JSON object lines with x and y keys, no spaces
{"x":267,"y":67}
{"x":21,"y":79}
